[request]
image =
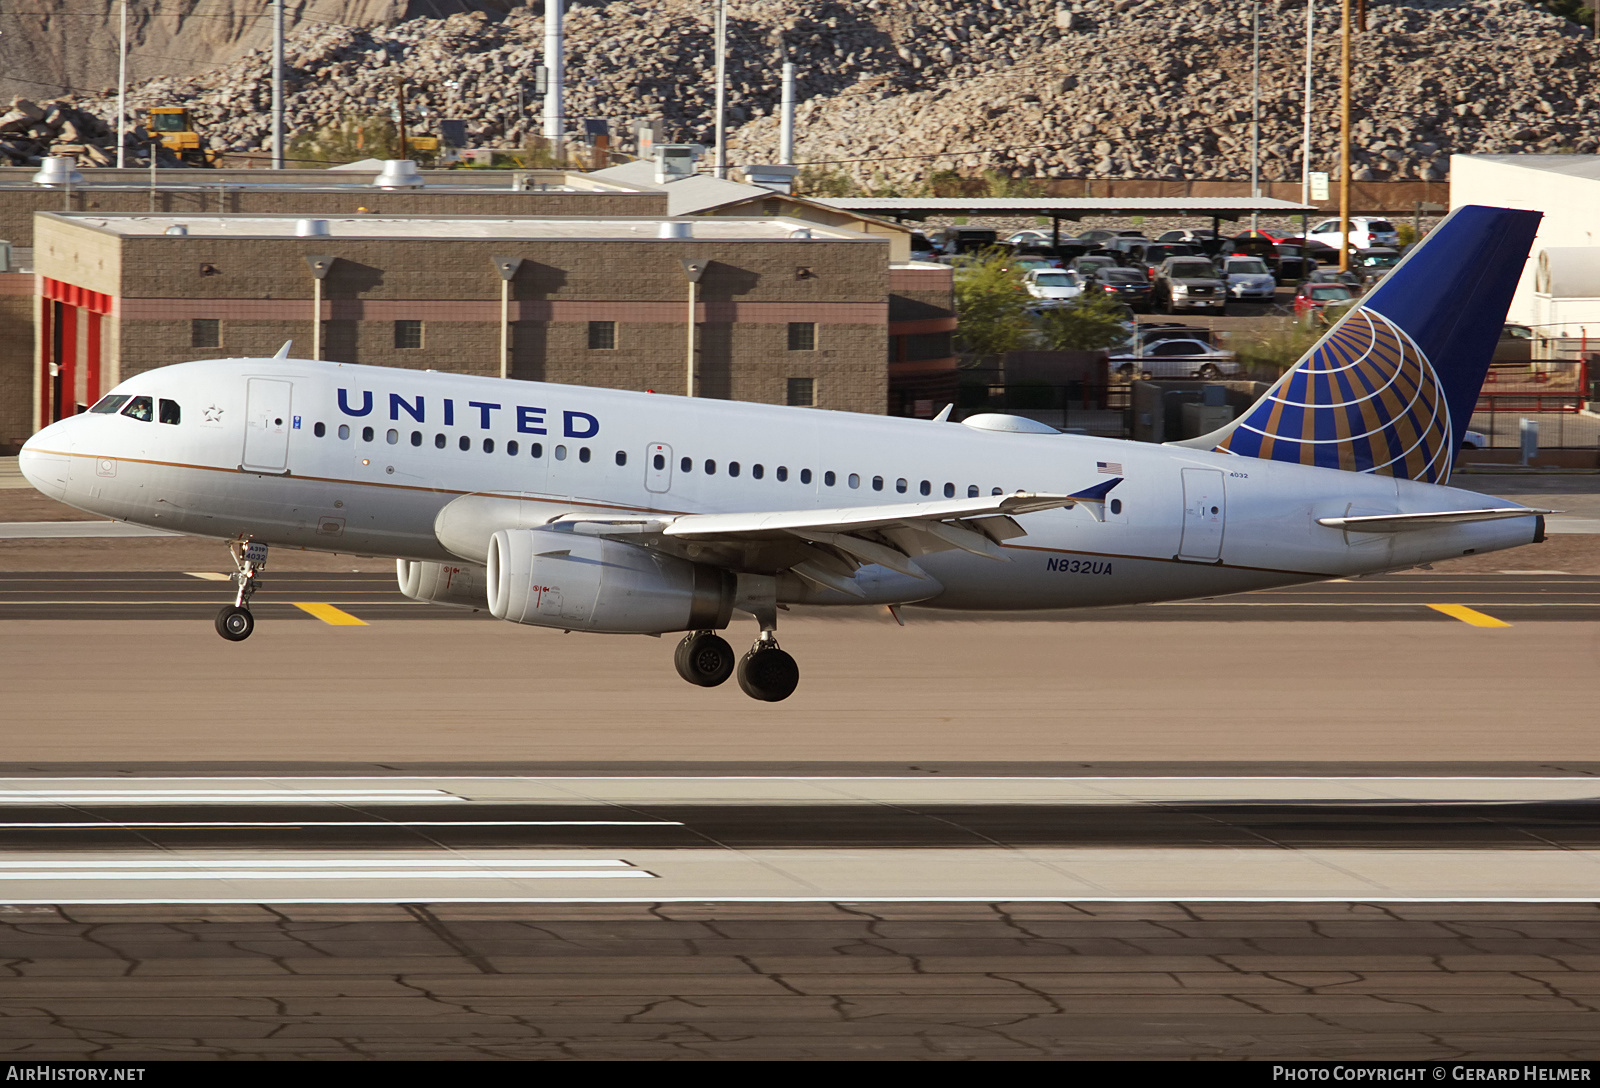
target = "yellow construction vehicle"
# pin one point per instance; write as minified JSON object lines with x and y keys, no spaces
{"x":173,"y":126}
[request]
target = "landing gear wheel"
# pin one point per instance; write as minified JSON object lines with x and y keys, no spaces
{"x":234,"y":623}
{"x":768,"y":674}
{"x":704,"y":659}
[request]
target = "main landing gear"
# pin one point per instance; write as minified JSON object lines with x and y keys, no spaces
{"x":234,"y":622}
{"x":765,"y":672}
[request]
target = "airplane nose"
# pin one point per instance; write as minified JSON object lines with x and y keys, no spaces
{"x":44,"y":460}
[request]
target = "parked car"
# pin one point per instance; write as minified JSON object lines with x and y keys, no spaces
{"x":1350,"y":279}
{"x":1091,"y":261}
{"x":1177,"y":358}
{"x":1191,"y":236}
{"x":1319,"y":298}
{"x":1190,"y":283}
{"x":1102,"y":236}
{"x":1052,"y":283}
{"x":953,"y":240}
{"x":1365,"y":232}
{"x":1247,"y":277}
{"x":1373,"y":264}
{"x":1474,"y":440}
{"x":1126,"y":285}
{"x":1294,"y":263}
{"x":1145,"y":256}
{"x":1032,"y":264}
{"x":1029,"y":238}
{"x":1515,"y":346}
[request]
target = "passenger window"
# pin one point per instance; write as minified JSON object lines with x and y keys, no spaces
{"x":854,"y":480}
{"x":537,"y":449}
{"x":1116,"y":506}
{"x":110,"y":403}
{"x":900,"y":485}
{"x":393,"y":437}
{"x":997,"y":491}
{"x":139,"y":408}
{"x":170,"y":412}
{"x":733,"y":468}
{"x":511,"y":448}
{"x":805,"y":475}
{"x":366,"y":434}
{"x":757,"y":471}
{"x":438,"y":441}
{"x":949,"y":491}
{"x":344,"y":432}
{"x":659,"y":461}
{"x":972,"y":491}
{"x":828,"y":477}
{"x":927,"y":488}
{"x":877,"y":483}
{"x":561,"y":453}
{"x":622,"y":459}
{"x":488,"y":445}
{"x":465,"y":443}
{"x":320,"y":429}
{"x":711,"y":468}
{"x":583,"y":454}
{"x":416,"y":438}
{"x":783,"y":474}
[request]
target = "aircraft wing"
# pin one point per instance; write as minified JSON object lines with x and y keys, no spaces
{"x":1401,"y":523}
{"x":828,"y":546}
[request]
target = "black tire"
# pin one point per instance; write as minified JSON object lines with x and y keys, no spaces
{"x":1209,"y":372}
{"x":1125,"y":370}
{"x":234,"y":623}
{"x":769,"y":675}
{"x":704,"y":659}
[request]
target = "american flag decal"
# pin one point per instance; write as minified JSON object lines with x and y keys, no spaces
{"x":1110,"y":468}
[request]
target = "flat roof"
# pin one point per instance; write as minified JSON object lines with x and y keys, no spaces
{"x":1075,"y":207}
{"x":1578,"y":166}
{"x":456,"y":228}
{"x":336,"y":180}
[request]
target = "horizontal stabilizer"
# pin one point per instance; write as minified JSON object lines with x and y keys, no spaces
{"x":1402,"y":523}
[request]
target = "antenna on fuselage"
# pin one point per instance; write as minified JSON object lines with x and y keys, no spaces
{"x":283,"y":352}
{"x":944,"y":415}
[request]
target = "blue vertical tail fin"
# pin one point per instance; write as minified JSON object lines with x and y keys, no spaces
{"x":1391,"y":387}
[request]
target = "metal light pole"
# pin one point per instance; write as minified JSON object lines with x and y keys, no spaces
{"x":122,"y":93}
{"x":721,"y":169}
{"x":1305,"y":137}
{"x":507,"y":267}
{"x":277,"y":84}
{"x":1344,"y":143}
{"x":693,"y":270}
{"x":555,"y":66}
{"x":1255,"y":111}
{"x":786,"y":124}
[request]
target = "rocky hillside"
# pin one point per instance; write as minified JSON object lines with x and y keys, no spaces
{"x":894,"y":89}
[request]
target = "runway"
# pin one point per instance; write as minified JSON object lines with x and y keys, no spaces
{"x":373,"y":598}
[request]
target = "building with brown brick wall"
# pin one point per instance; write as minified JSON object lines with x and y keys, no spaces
{"x":786,"y":311}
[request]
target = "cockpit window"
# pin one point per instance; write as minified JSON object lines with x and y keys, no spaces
{"x":170,"y":412}
{"x":140,"y":408}
{"x":110,"y":403}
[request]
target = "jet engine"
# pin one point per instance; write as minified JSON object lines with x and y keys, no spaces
{"x":551,"y":578}
{"x":458,"y":584}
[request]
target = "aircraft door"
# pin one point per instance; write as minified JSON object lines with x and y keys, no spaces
{"x":658,"y":468}
{"x":267,"y":424}
{"x":1205,"y":514}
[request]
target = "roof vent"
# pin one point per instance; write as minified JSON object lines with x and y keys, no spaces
{"x":780,"y":179}
{"x":675,"y":228}
{"x":57,"y":170}
{"x":311,"y":228}
{"x":177,"y":230}
{"x":996,"y":421}
{"x":800,"y":234}
{"x":398,"y":174}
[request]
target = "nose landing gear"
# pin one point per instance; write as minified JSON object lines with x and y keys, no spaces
{"x":234,"y":621}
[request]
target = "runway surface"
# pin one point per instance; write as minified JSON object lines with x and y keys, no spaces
{"x":373,"y":598}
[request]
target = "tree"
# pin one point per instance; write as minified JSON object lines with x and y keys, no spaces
{"x":991,"y":305}
{"x":1092,"y":323}
{"x":349,"y":139}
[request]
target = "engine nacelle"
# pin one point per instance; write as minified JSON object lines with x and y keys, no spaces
{"x":551,"y":578}
{"x":463,"y":585}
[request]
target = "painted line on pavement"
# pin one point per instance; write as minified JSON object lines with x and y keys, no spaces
{"x":328,"y":614}
{"x":1468,"y":615}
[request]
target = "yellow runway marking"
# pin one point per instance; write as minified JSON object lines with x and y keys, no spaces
{"x":1468,"y":615}
{"x":329,"y":614}
{"x":208,"y":575}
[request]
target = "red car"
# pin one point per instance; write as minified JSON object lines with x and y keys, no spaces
{"x":1313,"y":298}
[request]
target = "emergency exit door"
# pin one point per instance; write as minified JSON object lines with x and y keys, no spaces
{"x":658,"y":468}
{"x":1205,"y":515}
{"x":267,"y":425}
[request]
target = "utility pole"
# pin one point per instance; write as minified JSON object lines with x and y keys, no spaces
{"x":1344,"y":144}
{"x":122,"y":93}
{"x":1255,"y":111}
{"x":277,"y":84}
{"x":400,"y":113}
{"x":786,"y":129}
{"x":721,"y":170}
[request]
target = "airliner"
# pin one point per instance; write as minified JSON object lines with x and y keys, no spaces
{"x":620,"y":512}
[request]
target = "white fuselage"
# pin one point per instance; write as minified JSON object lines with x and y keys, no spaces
{"x":361,"y":460}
